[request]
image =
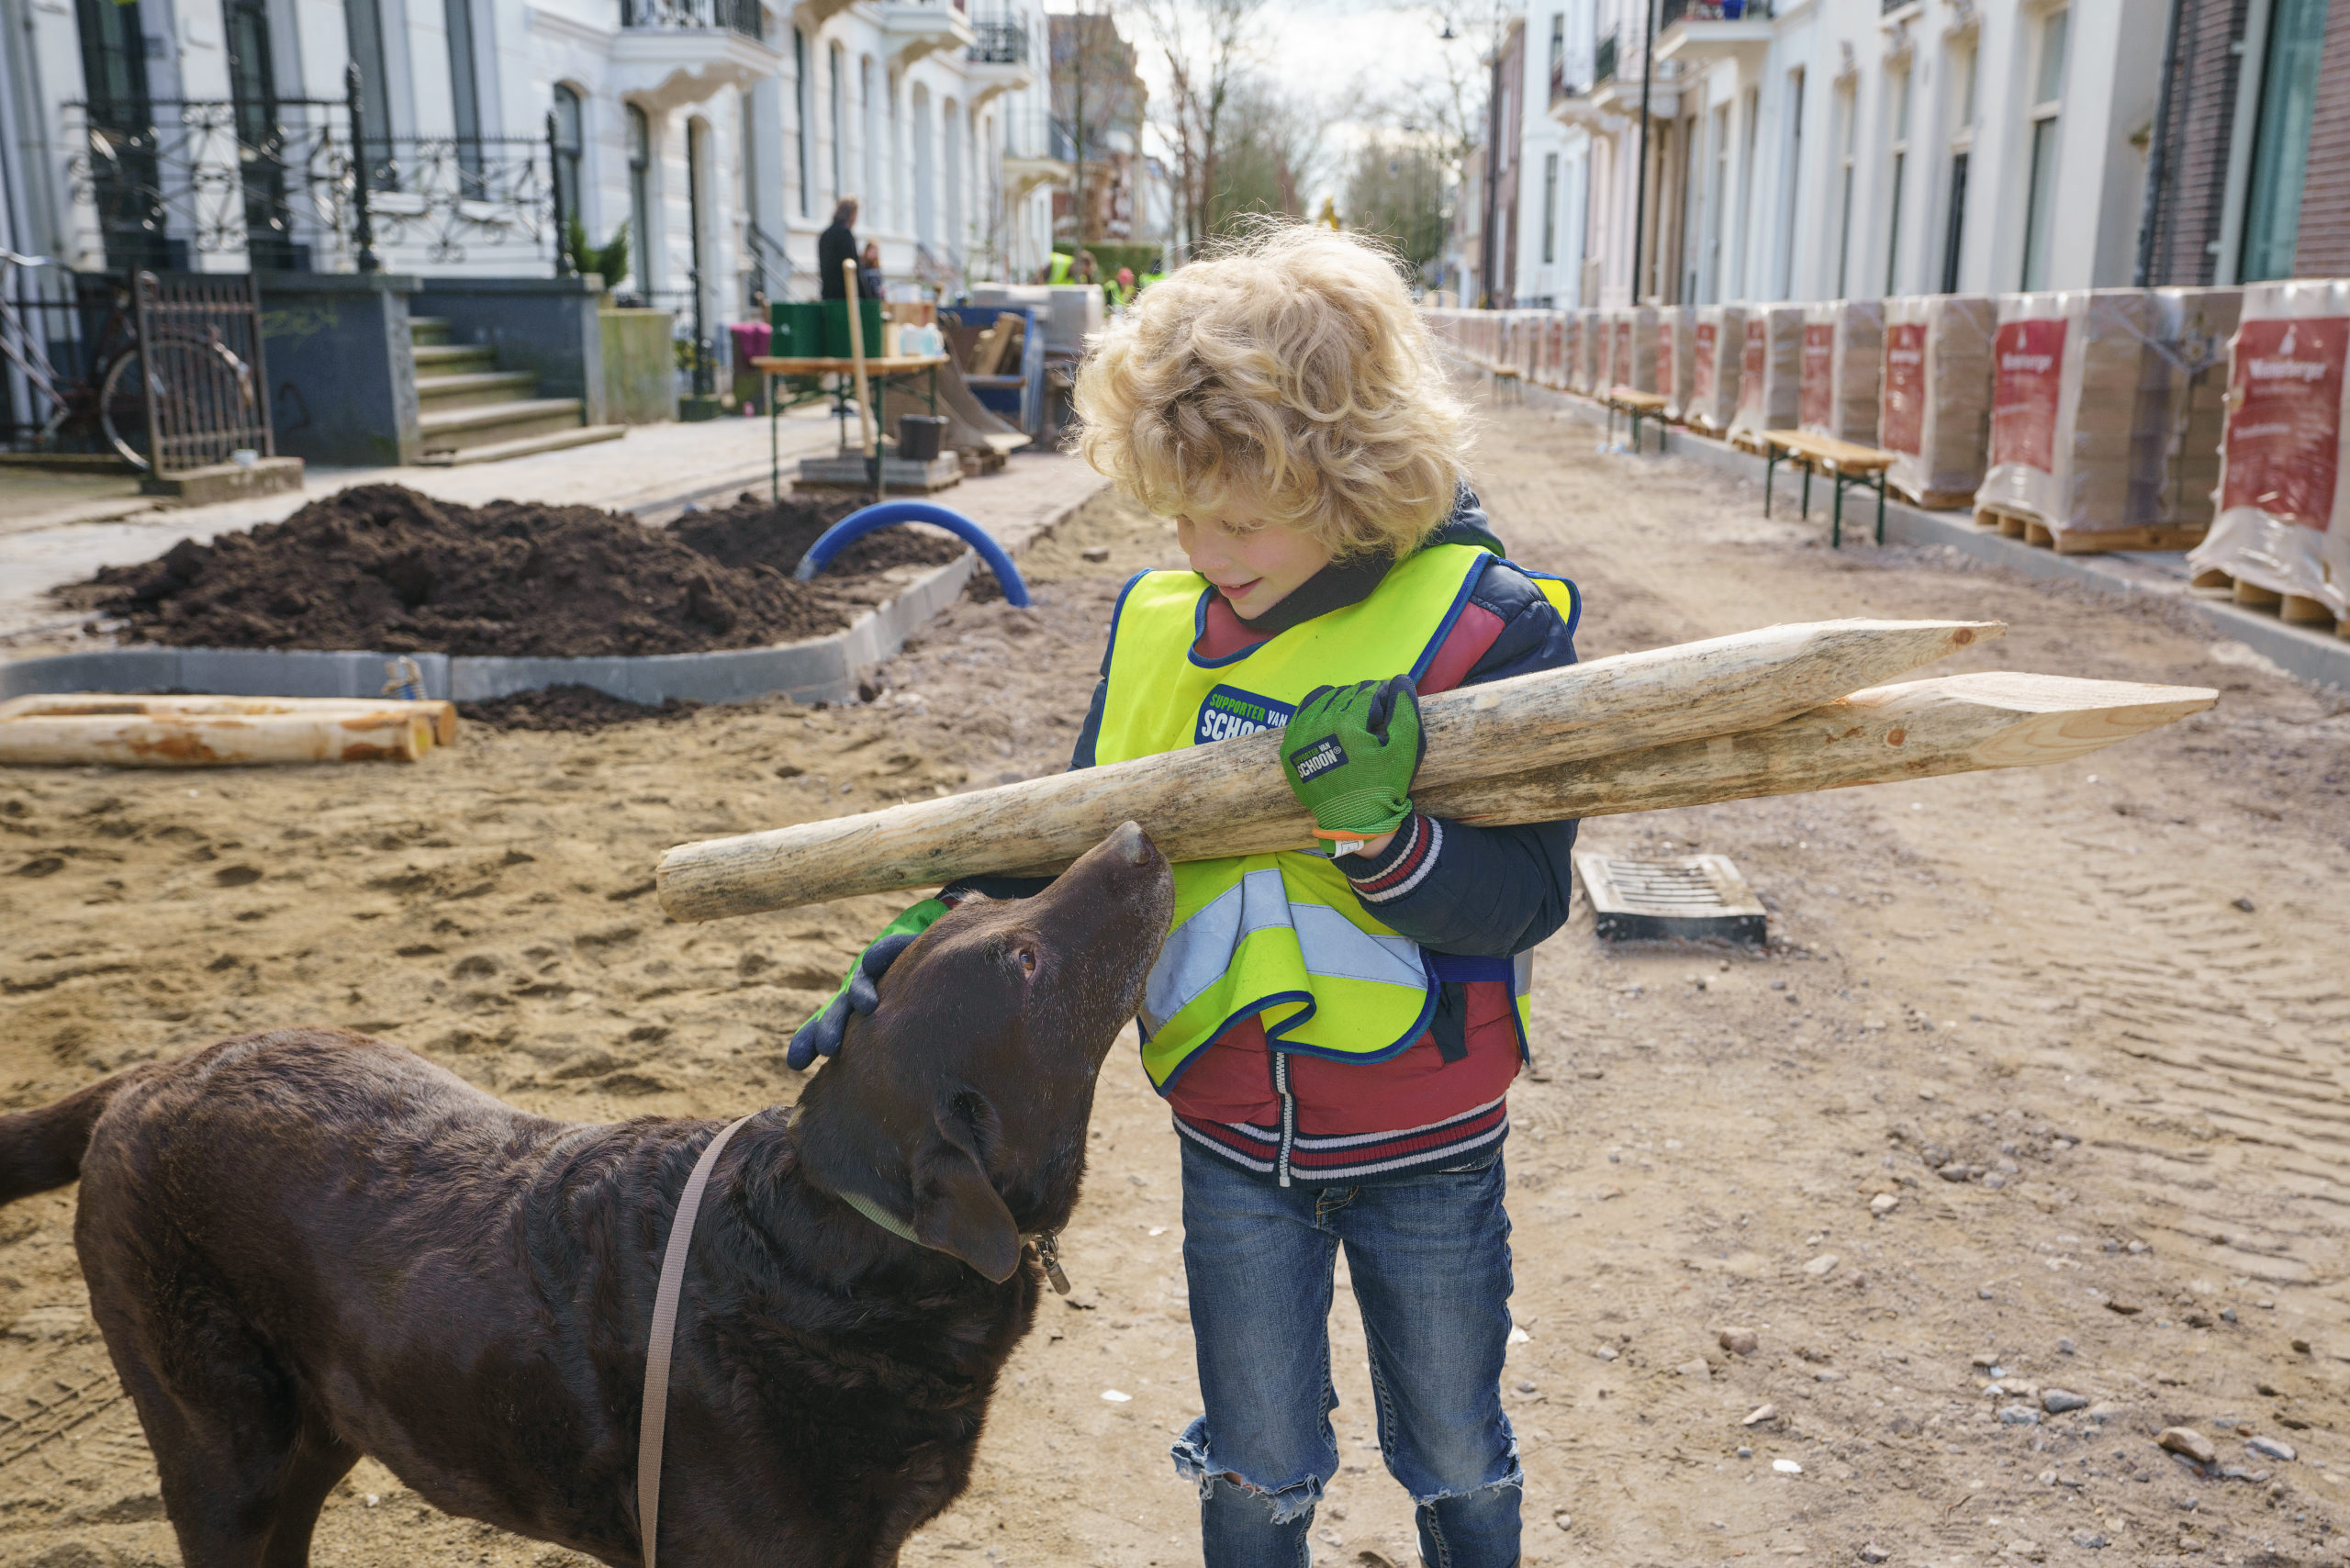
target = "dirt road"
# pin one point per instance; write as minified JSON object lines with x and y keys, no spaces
{"x":2119,"y":991}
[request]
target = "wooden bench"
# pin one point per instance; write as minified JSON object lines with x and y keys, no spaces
{"x":1848,"y":463}
{"x":1638,"y":406}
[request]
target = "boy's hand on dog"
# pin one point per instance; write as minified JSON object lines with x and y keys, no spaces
{"x":1349,"y":755}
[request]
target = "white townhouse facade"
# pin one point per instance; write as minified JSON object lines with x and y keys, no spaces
{"x":215,"y":135}
{"x":1826,"y":149}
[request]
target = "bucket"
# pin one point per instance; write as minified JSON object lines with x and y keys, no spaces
{"x":920,"y":436}
{"x":797,"y":328}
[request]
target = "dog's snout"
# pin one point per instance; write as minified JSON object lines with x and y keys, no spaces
{"x":1131,"y":845}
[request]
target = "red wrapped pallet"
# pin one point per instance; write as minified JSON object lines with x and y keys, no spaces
{"x":1843,"y":354}
{"x":1717,"y":352}
{"x":1934,"y":414}
{"x":1632,"y":351}
{"x":2282,"y":535}
{"x":1592,"y":348}
{"x":1770,"y":375}
{"x":2078,"y":409}
{"x":1676,"y":347}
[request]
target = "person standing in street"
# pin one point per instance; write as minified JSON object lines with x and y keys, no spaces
{"x":835,"y":245}
{"x":868,"y":271}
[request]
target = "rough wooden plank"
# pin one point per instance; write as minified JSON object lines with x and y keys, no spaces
{"x":1201,"y":795}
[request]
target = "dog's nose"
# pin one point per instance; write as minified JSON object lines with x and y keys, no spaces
{"x":1131,"y":845}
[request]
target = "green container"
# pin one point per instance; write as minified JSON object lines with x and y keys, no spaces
{"x":836,"y":341}
{"x":797,"y":330}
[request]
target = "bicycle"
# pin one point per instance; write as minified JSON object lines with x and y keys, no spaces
{"x":182,"y":371}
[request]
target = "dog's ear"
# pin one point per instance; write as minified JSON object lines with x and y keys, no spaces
{"x":955,"y":1207}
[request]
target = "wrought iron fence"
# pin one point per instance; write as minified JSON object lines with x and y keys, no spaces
{"x":201,"y":370}
{"x":998,"y":43}
{"x":194,"y":183}
{"x":736,"y":16}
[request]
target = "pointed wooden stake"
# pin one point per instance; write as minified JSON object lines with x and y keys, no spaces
{"x":1220,"y":799}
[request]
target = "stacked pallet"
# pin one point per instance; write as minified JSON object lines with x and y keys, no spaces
{"x":1843,"y":353}
{"x":2077,"y":417}
{"x":1633,"y":356}
{"x":1770,"y":376}
{"x":1676,"y":346}
{"x":1934,"y":413}
{"x":2185,"y":400}
{"x":1582,"y":367}
{"x":1716,"y":355}
{"x":2282,"y":535}
{"x":1570,"y":348}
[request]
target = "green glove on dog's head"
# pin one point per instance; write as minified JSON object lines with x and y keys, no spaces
{"x":1349,"y":755}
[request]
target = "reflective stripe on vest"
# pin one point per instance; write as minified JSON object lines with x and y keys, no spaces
{"x":1277,"y":936}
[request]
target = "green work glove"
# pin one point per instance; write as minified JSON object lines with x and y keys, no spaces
{"x":859,"y":992}
{"x":1349,"y":755}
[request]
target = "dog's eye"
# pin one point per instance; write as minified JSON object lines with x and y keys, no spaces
{"x":1027,"y":957}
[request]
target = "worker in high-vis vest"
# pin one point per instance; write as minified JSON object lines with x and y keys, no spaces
{"x":1061,"y":268}
{"x":1336,"y":1029}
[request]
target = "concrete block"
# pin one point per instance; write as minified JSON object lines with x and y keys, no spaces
{"x":225,"y":481}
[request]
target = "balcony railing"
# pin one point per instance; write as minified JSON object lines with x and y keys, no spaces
{"x":736,"y":16}
{"x":1562,"y":89}
{"x":1713,"y":11}
{"x":1602,"y":64}
{"x":164,"y":184}
{"x":999,"y":43}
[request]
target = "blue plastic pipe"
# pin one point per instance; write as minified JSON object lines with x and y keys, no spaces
{"x":857,"y":524}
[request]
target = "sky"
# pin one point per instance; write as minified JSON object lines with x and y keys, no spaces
{"x":1363,"y":58}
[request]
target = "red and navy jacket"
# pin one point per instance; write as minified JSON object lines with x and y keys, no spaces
{"x":1481,"y":891}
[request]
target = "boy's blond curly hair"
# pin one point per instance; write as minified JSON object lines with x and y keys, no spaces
{"x":1289,"y":367}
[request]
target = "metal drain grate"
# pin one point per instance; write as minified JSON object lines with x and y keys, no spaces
{"x":1693,"y":897}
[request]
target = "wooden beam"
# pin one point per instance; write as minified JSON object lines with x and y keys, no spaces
{"x":1225,"y":793}
{"x":399,"y":734}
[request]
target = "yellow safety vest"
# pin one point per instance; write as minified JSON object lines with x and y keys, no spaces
{"x":1281,"y":936}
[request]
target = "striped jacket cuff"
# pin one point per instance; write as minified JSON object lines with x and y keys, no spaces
{"x":1402,"y":866}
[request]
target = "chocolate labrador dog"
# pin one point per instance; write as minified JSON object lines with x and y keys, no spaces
{"x":308,"y":1245}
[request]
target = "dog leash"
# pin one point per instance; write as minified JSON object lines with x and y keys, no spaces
{"x":662,"y":1338}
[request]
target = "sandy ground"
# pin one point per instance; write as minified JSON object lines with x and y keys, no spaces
{"x":2119,"y":987}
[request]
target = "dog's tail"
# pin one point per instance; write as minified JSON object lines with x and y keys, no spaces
{"x":41,"y":1149}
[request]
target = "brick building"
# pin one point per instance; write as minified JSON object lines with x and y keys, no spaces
{"x":2251,"y":144}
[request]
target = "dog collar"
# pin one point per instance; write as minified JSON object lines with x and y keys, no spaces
{"x":1047,"y":1243}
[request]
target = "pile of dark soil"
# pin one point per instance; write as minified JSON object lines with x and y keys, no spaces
{"x":577,"y":709}
{"x":771,"y":534}
{"x":379,"y":566}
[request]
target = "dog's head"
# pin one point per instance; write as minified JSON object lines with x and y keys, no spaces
{"x":959,"y":1106}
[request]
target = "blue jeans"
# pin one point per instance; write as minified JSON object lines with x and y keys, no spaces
{"x":1430,"y":1261}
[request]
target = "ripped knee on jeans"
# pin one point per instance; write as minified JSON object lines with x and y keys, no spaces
{"x":1282,"y":1503}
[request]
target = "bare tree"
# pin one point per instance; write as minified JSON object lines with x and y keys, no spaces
{"x":1270,"y":149}
{"x":1395,"y":188}
{"x":1208,"y":46}
{"x":1095,"y":93}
